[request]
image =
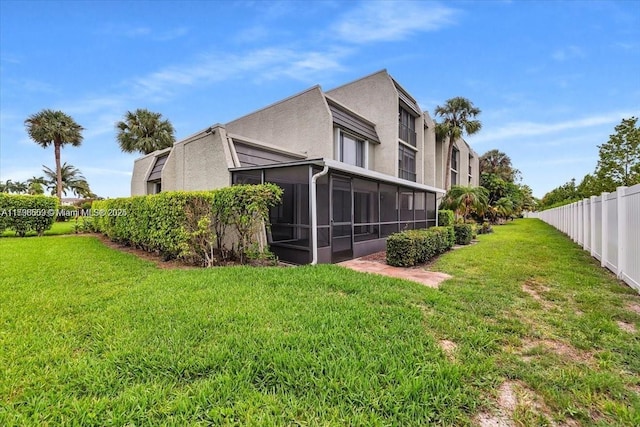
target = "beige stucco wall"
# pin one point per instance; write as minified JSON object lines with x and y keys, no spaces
{"x":429,"y":148}
{"x":199,"y":162}
{"x":376,"y":98}
{"x":202,"y":162}
{"x":463,"y":169}
{"x":301,"y":123}
{"x":141,"y":169}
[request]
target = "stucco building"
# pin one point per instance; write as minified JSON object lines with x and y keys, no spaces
{"x":357,"y":163}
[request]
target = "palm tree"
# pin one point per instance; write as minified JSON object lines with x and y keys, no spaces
{"x":144,"y":131}
{"x":503,"y":208}
{"x":72,"y":180}
{"x":16,"y":187}
{"x":54,"y":127}
{"x":35,"y":185}
{"x":466,"y":200}
{"x":498,"y":163}
{"x":458,"y":114}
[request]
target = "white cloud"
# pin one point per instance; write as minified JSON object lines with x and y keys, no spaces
{"x":375,"y":21}
{"x":268,"y":63}
{"x":567,"y":53}
{"x":143,"y":32}
{"x":519,"y":130}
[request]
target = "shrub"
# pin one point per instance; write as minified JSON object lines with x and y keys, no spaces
{"x":464,"y":233}
{"x":485,"y":228}
{"x":188,"y":225}
{"x":446,"y":217}
{"x":24,"y":213}
{"x":401,"y":250}
{"x":418,"y":246}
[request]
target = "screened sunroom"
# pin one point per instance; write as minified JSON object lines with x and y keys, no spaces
{"x":332,"y":212}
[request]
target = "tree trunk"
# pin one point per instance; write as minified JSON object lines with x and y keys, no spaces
{"x":58,"y":171}
{"x":447,"y":169}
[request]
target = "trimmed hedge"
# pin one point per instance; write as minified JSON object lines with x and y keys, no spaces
{"x":414,"y":247}
{"x":24,"y":213}
{"x":187,"y":225}
{"x":446,"y":218}
{"x":464,"y":233}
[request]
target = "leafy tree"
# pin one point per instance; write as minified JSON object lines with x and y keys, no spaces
{"x":566,"y":193}
{"x":466,"y":200}
{"x":54,"y":127}
{"x":619,"y":158}
{"x":145,"y":132}
{"x":72,"y":180}
{"x":497,"y":163}
{"x":458,"y":119}
{"x":36,"y":185}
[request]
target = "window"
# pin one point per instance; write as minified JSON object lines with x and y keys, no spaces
{"x":406,"y":163}
{"x":157,"y":187}
{"x":351,"y":150}
{"x":470,"y":169}
{"x":406,"y":126}
{"x":455,"y":155}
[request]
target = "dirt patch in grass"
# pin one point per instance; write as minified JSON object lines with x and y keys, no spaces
{"x":559,"y":348}
{"x":535,"y":289}
{"x":627,"y":327}
{"x":634,"y":306}
{"x":517,"y":404}
{"x":449,"y":348}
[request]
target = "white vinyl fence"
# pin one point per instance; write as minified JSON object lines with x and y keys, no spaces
{"x":608,"y":226}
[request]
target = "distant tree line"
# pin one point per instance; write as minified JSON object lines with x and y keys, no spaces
{"x":618,"y":165}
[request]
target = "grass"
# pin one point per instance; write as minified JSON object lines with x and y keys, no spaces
{"x":92,"y":336}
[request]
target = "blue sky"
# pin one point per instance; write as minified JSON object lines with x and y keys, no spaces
{"x":552,"y":79}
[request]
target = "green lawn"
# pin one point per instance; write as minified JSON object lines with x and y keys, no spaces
{"x":92,"y":336}
{"x":58,"y":228}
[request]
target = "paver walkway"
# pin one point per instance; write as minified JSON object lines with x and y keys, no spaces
{"x":415,"y":274}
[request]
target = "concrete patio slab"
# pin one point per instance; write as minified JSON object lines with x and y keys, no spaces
{"x":431,"y":279}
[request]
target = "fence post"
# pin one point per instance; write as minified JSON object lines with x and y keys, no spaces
{"x":622,"y":230}
{"x":593,"y":224}
{"x":586,"y":236}
{"x":604,"y":237}
{"x":579,"y":223}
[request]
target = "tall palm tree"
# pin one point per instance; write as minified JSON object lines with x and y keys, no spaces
{"x":498,"y":163}
{"x":144,"y":131}
{"x":458,"y":119}
{"x":54,"y":127}
{"x":72,"y":180}
{"x":466,"y":200}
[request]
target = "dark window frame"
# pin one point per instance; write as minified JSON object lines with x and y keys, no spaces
{"x":407,"y":126}
{"x":406,"y":171}
{"x":455,"y":163}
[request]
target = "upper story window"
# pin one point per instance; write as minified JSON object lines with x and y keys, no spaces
{"x":351,"y":150}
{"x":406,"y":163}
{"x":406,"y":126}
{"x":455,"y":160}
